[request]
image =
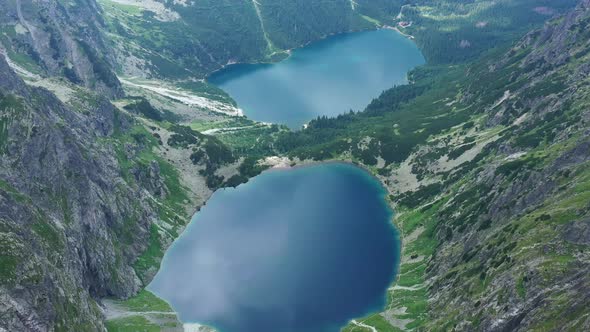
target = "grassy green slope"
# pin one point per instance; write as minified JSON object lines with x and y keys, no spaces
{"x":144,"y":312}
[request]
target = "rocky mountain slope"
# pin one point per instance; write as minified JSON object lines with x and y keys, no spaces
{"x":62,"y":211}
{"x":85,"y":202}
{"x":89,"y":194}
{"x":53,"y":38}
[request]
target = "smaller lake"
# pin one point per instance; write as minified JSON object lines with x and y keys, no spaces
{"x":299,"y":250}
{"x":329,"y":77}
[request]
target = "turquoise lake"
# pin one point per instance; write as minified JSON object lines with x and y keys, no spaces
{"x":329,"y":77}
{"x":299,"y":250}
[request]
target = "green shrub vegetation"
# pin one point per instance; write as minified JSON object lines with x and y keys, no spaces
{"x":132,"y":324}
{"x":144,"y":301}
{"x":201,"y":41}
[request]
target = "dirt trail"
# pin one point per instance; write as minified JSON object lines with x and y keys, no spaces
{"x":364,"y":325}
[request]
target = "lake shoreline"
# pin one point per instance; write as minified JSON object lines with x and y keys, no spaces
{"x":295,"y":164}
{"x":290,"y":51}
{"x":325,"y":79}
{"x":335,"y":180}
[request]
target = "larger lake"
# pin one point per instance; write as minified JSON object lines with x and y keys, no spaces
{"x":329,"y":77}
{"x":299,"y":250}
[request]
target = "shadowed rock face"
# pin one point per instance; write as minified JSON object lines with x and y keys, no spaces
{"x":63,"y":211}
{"x":578,"y":232}
{"x":62,"y":39}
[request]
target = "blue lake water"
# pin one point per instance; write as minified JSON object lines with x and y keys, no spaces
{"x":329,"y":77}
{"x":300,"y":250}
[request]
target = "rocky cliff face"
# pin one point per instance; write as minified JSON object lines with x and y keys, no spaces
{"x":53,"y":38}
{"x":89,"y":198}
{"x":67,"y":235}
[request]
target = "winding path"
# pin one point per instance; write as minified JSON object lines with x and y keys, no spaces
{"x":360,"y":324}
